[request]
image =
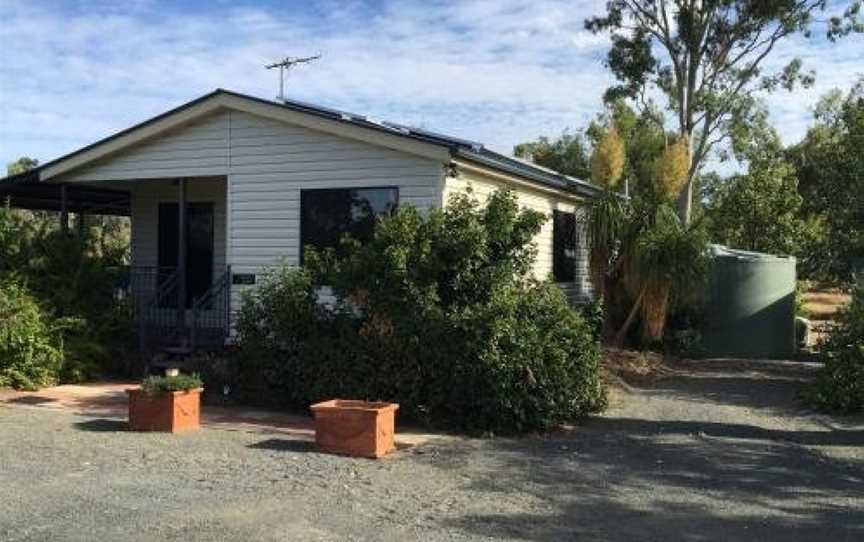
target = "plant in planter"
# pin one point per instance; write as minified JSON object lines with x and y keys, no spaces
{"x":359,"y":428}
{"x":166,"y":403}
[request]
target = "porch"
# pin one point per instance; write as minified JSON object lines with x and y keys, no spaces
{"x":163,"y":322}
{"x":178,"y":284}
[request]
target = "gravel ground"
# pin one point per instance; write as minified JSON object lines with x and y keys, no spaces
{"x":718,"y":451}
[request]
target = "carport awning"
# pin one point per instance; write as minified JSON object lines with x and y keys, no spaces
{"x":26,"y":191}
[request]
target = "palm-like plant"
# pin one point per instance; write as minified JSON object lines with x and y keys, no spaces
{"x":607,"y":218}
{"x":667,"y":254}
{"x":641,"y":246}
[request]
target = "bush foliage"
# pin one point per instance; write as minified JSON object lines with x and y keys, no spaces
{"x":437,"y":313}
{"x":156,"y":385}
{"x":69,"y":279}
{"x":30,"y":351}
{"x":839,"y":386}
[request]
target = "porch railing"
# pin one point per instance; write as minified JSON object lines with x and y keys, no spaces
{"x":153,"y":293}
{"x":138,"y":284}
{"x":156,"y":313}
{"x":211,"y":314}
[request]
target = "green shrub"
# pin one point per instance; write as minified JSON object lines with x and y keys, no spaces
{"x":219,"y":372}
{"x":437,"y":313}
{"x":155,"y":385}
{"x":30,"y":351}
{"x":801,"y":289}
{"x":594,"y":314}
{"x":71,"y":277}
{"x":275,"y":321}
{"x":839,"y":387}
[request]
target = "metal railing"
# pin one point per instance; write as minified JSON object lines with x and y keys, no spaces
{"x":211,"y":314}
{"x":153,"y":293}
{"x":139,"y":284}
{"x":157,"y":316}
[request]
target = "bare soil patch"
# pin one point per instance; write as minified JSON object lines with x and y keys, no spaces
{"x":634,"y":367}
{"x":823,"y":305}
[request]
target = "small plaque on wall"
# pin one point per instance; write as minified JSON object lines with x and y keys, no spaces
{"x":243,"y":278}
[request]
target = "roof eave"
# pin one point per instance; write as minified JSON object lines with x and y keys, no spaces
{"x":451,"y":146}
{"x":556,"y":181}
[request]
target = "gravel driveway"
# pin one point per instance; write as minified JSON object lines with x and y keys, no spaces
{"x":719,"y":451}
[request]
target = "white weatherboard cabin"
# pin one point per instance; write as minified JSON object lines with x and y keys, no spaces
{"x":224,"y":186}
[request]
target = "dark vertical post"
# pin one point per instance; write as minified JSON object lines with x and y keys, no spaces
{"x":181,"y":258}
{"x":64,"y":208}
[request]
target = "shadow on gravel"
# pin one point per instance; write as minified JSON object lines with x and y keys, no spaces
{"x":626,"y":478}
{"x":626,"y":481}
{"x":769,"y":386}
{"x":778,"y":395}
{"x":285,"y":445}
{"x":637,"y":427}
{"x":31,"y":400}
{"x":103,"y":425}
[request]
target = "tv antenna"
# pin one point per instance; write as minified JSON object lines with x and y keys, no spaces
{"x":286,"y":64}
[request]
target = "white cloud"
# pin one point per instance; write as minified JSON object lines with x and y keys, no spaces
{"x":496,"y":71}
{"x":493,"y":71}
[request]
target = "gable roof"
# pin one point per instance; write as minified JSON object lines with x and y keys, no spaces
{"x":468,"y":150}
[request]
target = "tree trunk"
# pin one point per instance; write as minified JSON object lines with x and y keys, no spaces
{"x":608,"y":332}
{"x":685,"y":202}
{"x":622,"y":333}
{"x":685,"y":198}
{"x":655,"y":307}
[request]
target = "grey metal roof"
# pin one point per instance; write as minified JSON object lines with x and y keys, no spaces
{"x":465,"y":149}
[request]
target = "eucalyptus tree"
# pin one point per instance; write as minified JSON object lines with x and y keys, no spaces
{"x":829,"y":164}
{"x":25,"y":163}
{"x":707,"y":57}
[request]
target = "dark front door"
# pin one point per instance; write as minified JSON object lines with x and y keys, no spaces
{"x":199,"y":245}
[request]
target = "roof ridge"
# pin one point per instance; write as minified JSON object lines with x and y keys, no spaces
{"x":471,"y":150}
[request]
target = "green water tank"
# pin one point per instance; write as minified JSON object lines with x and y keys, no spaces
{"x":750,"y":309}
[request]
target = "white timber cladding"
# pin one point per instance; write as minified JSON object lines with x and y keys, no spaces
{"x":223,"y":101}
{"x":146,"y":198}
{"x":481,"y":187}
{"x":264,"y":163}
{"x":271,"y":162}
{"x":196,"y":149}
{"x":252,"y":161}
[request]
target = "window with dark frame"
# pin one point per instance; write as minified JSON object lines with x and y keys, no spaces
{"x":563,"y":246}
{"x":326,"y":215}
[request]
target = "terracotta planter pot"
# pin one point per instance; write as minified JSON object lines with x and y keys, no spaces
{"x":170,"y":412}
{"x":357,"y":428}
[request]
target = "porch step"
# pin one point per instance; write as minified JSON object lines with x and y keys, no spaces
{"x":170,"y":357}
{"x":180,"y":350}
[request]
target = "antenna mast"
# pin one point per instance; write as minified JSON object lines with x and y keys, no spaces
{"x":286,"y":64}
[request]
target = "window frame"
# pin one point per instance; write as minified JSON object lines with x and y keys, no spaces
{"x":305,"y":191}
{"x":562,"y":259}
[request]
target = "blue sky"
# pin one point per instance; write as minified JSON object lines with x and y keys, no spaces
{"x":495,"y":71}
